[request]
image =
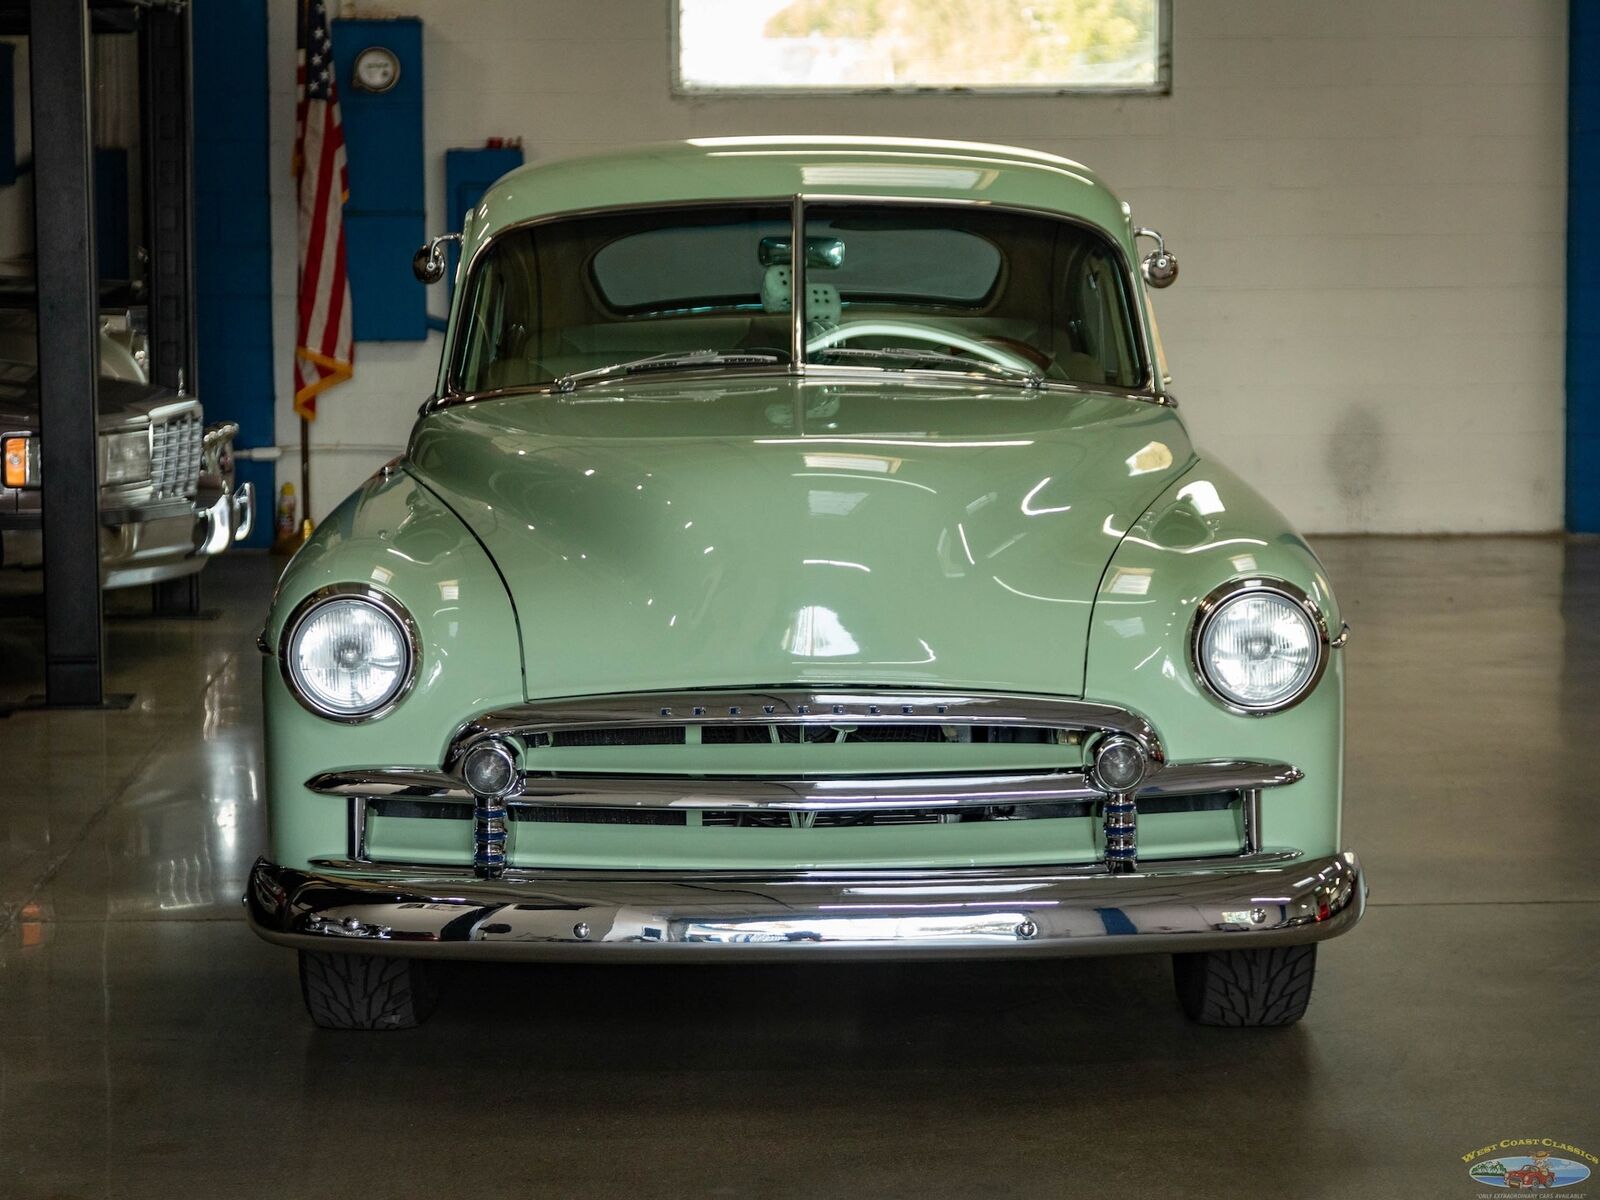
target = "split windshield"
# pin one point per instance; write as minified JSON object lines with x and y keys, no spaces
{"x":888,"y":286}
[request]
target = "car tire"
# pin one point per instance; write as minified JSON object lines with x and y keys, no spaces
{"x":1246,"y":987}
{"x":366,"y":991}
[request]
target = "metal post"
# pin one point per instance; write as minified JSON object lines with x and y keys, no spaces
{"x":1252,"y":821}
{"x":58,"y":52}
{"x":305,"y":479}
{"x":164,"y":82}
{"x":169,"y":233}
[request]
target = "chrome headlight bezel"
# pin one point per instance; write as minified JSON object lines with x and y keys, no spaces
{"x":1217,"y":600}
{"x":384,"y":604}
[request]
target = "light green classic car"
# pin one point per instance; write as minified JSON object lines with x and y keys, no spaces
{"x":801,"y":555}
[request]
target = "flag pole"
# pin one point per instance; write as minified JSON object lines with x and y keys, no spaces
{"x":305,"y":478}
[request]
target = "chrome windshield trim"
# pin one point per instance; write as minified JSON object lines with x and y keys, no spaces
{"x":839,"y":794}
{"x":822,"y":373}
{"x":1147,"y":391}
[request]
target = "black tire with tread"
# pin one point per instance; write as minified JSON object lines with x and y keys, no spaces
{"x":366,"y":991}
{"x":1241,"y":988}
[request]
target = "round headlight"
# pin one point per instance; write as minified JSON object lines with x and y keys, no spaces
{"x":348,"y":656}
{"x":1259,"y":646}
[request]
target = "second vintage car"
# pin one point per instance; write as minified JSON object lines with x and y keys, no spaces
{"x":168,"y":497}
{"x":802,"y":554}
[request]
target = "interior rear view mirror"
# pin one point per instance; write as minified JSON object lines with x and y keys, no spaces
{"x":824,"y":252}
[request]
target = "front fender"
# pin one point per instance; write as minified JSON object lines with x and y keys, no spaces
{"x":1207,"y":528}
{"x":394,"y":535}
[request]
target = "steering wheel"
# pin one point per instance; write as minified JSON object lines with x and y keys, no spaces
{"x":919,"y":333}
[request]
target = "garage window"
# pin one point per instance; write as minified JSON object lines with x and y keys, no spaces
{"x":920,"y":45}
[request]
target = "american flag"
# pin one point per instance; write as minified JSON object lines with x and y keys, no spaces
{"x":324,"y":351}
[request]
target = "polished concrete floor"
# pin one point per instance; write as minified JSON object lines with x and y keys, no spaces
{"x":149,"y":1046}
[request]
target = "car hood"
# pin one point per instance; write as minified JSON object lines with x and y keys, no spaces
{"x":121,"y":402}
{"x":781,"y":531}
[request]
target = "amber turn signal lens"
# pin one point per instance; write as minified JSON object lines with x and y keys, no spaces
{"x":16,"y":462}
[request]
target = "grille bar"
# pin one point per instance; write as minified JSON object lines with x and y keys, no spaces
{"x":448,"y":810}
{"x":900,"y":709}
{"x":804,"y":795}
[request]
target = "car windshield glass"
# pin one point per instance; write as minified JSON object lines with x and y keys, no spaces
{"x":960,"y":284}
{"x":891,"y":287}
{"x":552,"y":301}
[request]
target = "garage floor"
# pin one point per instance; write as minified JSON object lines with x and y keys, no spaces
{"x":149,"y":1046}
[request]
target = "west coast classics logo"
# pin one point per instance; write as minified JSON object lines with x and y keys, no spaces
{"x":1529,"y":1164}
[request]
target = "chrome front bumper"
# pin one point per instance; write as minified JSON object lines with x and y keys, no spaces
{"x":150,"y":541}
{"x":137,"y":548}
{"x":1251,"y":901}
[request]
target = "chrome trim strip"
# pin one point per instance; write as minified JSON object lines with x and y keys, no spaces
{"x":1220,"y":775}
{"x":800,"y":795}
{"x":838,"y":373}
{"x":451,"y":874}
{"x":1176,"y":906}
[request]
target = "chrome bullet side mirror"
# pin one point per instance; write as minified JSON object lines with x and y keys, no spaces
{"x":1160,"y":268}
{"x":428,"y":263}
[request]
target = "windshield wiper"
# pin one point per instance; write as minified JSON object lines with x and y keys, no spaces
{"x":672,"y":359}
{"x":915,"y":355}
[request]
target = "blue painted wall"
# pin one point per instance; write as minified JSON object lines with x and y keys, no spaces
{"x":467,"y":176}
{"x":233,"y":231}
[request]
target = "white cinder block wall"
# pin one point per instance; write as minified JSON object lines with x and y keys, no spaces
{"x":1367,"y":198}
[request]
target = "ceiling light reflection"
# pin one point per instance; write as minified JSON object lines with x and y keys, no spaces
{"x":1032,"y":510}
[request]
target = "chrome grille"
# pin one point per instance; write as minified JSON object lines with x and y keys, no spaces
{"x":761,"y":734}
{"x":717,"y":818}
{"x":729,"y":717}
{"x":730,"y":761}
{"x":175,"y":449}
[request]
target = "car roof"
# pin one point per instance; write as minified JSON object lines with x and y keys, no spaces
{"x":735,"y":168}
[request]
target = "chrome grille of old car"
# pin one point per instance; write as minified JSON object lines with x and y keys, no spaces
{"x":175,"y":452}
{"x":788,"y":716}
{"x":795,"y":759}
{"x":733,"y":818}
{"x":843,"y":732}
